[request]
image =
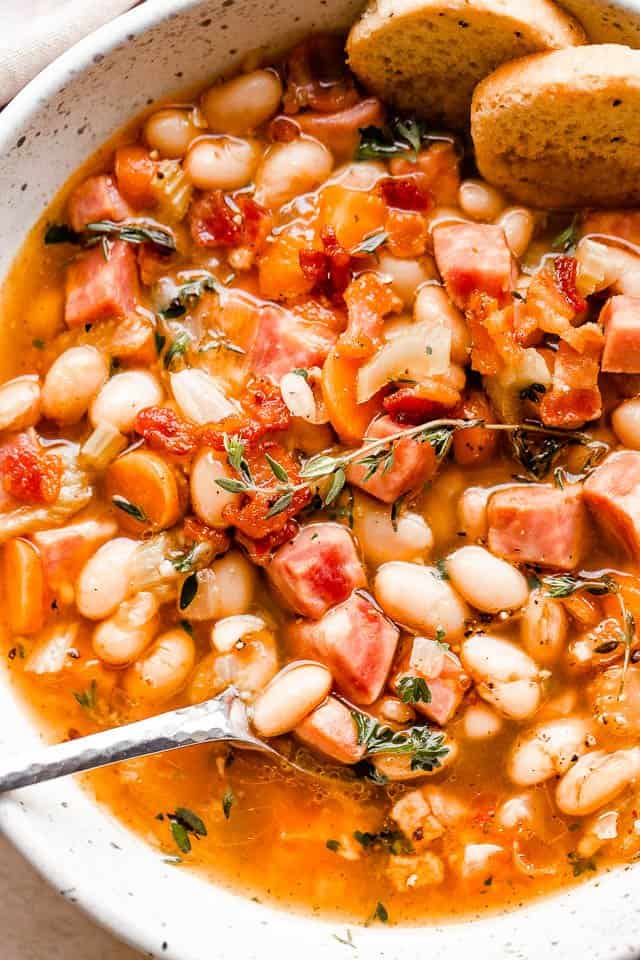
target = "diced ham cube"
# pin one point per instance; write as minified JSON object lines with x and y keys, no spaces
{"x":442,"y":672}
{"x":474,"y":257}
{"x":331,"y":730}
{"x":101,"y":289}
{"x":612,"y":493}
{"x":538,"y":524}
{"x":97,"y":198}
{"x":413,"y":464}
{"x":356,"y":641}
{"x":65,"y":550}
{"x":317,"y":569}
{"x":284,"y":343}
{"x":620,"y":318}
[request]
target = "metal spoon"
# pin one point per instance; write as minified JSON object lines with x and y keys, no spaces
{"x":224,"y":718}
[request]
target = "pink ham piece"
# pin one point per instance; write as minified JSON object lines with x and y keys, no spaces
{"x":538,"y":524}
{"x":317,"y":569}
{"x":101,"y":289}
{"x":474,"y":257}
{"x":284,"y":343}
{"x":356,"y":641}
{"x":97,"y":198}
{"x":65,"y":550}
{"x":413,"y":464}
{"x":443,"y":674}
{"x":341,"y":131}
{"x":612,"y":493}
{"x":620,"y":318}
{"x":331,"y":730}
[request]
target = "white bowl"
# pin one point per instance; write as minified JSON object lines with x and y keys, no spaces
{"x":168,"y":912}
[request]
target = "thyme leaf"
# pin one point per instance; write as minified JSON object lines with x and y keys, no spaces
{"x":425,"y":745}
{"x":565,"y":584}
{"x":88,"y":698}
{"x":371,"y":243}
{"x":127,"y":507}
{"x":188,"y":294}
{"x":188,"y":591}
{"x":414,"y":690}
{"x":567,"y":238}
{"x":133,"y":232}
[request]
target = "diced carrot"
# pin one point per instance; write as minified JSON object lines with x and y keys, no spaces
{"x":475,"y":445}
{"x":353,"y":214}
{"x":339,"y":384}
{"x":279,"y":270}
{"x":145,"y":490}
{"x":135,"y":171}
{"x":45,"y":313}
{"x":24,"y":586}
{"x":407,"y":233}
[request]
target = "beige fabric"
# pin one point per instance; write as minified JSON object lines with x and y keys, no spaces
{"x":35,"y":32}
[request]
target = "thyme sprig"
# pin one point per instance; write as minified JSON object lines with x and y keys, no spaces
{"x":189,"y":293}
{"x":425,"y":746}
{"x":563,"y":585}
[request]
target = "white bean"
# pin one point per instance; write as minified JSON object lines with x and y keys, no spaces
{"x":243,"y":103}
{"x":548,"y":750}
{"x":123,"y":637}
{"x":625,"y":421}
{"x":290,"y":697}
{"x":481,"y":722}
{"x":123,"y":397}
{"x":164,"y":670}
{"x":518,"y":224}
{"x":433,"y":306}
{"x":229,"y":631}
{"x":221,"y":163}
{"x":207,"y":498}
{"x":480,"y":201}
{"x":224,"y":589}
{"x":299,"y":398}
{"x":419,"y":598}
{"x":19,"y":403}
{"x":361,"y":175}
{"x":170,"y":131}
{"x":104,"y":580}
{"x":505,"y":676}
{"x":249,"y":668}
{"x":72,"y":382}
{"x":201,"y":397}
{"x":597,"y":778}
{"x":543,"y":628}
{"x":410,"y":539}
{"x":486,"y":582}
{"x":472,"y":512}
{"x":406,"y":275}
{"x":290,"y":169}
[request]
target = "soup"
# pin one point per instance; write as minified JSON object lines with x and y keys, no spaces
{"x":299,"y":404}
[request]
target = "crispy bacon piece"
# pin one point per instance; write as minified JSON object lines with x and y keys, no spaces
{"x":485,"y":356}
{"x":564,"y":273}
{"x":219,"y":221}
{"x":263,"y":403}
{"x":28,"y":473}
{"x":422,"y":401}
{"x":317,"y":77}
{"x":261,"y":551}
{"x":250,"y":517}
{"x":195,"y":531}
{"x":574,"y":398}
{"x":167,"y":432}
{"x":405,"y":193}
{"x":439,"y":169}
{"x":368,"y":301}
{"x":329,"y":269}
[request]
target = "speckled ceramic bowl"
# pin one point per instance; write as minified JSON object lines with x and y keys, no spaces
{"x":167,"y":912}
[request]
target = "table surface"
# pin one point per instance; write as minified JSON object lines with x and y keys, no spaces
{"x":38,"y":924}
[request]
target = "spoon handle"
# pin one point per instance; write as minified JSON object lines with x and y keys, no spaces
{"x":222,"y":718}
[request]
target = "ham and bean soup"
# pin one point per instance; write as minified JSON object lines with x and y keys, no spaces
{"x":298,"y":403}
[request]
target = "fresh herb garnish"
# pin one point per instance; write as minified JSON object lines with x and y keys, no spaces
{"x":533,"y":392}
{"x":440,"y":635}
{"x":127,"y":507}
{"x":134,"y":232}
{"x":425,"y":746}
{"x":188,"y":294}
{"x":381,"y":913}
{"x":184,"y":824}
{"x":371,"y":243}
{"x":88,"y":698}
{"x":580,"y":865}
{"x":188,"y":591}
{"x":333,"y":845}
{"x":280,"y":505}
{"x":392,"y":840}
{"x":186,"y":626}
{"x":567,"y":238}
{"x":60,"y":233}
{"x":402,"y":137}
{"x":184,"y":563}
{"x":441,"y":567}
{"x":177,"y":348}
{"x":160,"y":341}
{"x":228,"y":799}
{"x":414,"y":690}
{"x":565,"y":584}
{"x":38,"y":344}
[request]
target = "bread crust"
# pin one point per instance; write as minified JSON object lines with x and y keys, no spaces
{"x":426,"y":56}
{"x":560,"y":130}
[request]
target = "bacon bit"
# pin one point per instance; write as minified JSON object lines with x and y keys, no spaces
{"x":216,"y":222}
{"x":485,"y":357}
{"x":424,"y":401}
{"x":330,"y":269}
{"x":368,"y":301}
{"x":213,"y":434}
{"x":257,"y":222}
{"x":283,"y":130}
{"x":261,"y":551}
{"x":405,"y":193}
{"x":317,"y":76}
{"x":565,"y":271}
{"x":264,"y":403}
{"x":476,"y":445}
{"x":29,"y":474}
{"x":439,"y":164}
{"x":251,"y":517}
{"x":153,"y":263}
{"x":574,"y":398}
{"x":195,"y":531}
{"x":407,"y":233}
{"x":167,"y":432}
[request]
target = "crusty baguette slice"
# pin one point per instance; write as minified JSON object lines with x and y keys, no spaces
{"x":605,"y":21}
{"x":426,"y":56}
{"x":562,"y":129}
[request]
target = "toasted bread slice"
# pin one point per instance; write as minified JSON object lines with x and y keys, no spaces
{"x":606,"y":22}
{"x":426,"y":56}
{"x":561,"y":129}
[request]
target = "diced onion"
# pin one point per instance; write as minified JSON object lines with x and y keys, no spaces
{"x":172,"y":189}
{"x":427,"y":657}
{"x":200,"y":397}
{"x":505,"y":388}
{"x":424,"y":350}
{"x":101,"y":447}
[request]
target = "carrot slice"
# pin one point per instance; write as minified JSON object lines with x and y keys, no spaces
{"x":135,"y":171}
{"x":24,"y":586}
{"x":145,"y":491}
{"x":349,"y":418}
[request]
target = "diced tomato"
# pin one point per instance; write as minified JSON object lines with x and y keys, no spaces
{"x":442,"y":671}
{"x":439,"y":166}
{"x":565,"y":271}
{"x":195,"y":531}
{"x":612,"y":493}
{"x":475,"y":445}
{"x":101,"y":289}
{"x":538,"y":524}
{"x":317,"y":76}
{"x":356,"y":641}
{"x":413,"y":463}
{"x":339,"y":131}
{"x":167,"y":432}
{"x":474,"y":257}
{"x":135,"y":171}
{"x":283,"y":343}
{"x":422,"y":401}
{"x":263,"y":402}
{"x":620,"y":317}
{"x":405,"y":193}
{"x":330,"y":729}
{"x":96,"y":198}
{"x":251,"y":516}
{"x":368,"y":301}
{"x":329,"y":269}
{"x":28,"y":473}
{"x":575,"y":397}
{"x":406,"y":233}
{"x":317,"y":570}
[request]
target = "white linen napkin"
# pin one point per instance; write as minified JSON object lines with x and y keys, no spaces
{"x":35,"y":32}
